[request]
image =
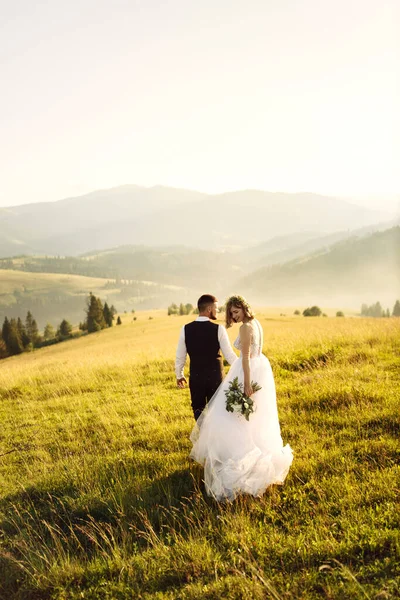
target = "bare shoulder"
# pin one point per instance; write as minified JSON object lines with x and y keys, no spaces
{"x":245,"y":329}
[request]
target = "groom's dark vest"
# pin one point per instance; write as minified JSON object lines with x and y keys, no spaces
{"x":201,"y":338}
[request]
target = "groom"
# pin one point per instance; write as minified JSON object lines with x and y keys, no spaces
{"x":203,"y":340}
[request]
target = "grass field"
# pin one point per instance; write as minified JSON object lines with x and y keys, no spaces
{"x":99,"y":501}
{"x":44,"y":282}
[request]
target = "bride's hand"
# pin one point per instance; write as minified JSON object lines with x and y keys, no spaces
{"x":248,"y":390}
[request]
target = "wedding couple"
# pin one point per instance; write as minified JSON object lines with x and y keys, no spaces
{"x":238,"y":455}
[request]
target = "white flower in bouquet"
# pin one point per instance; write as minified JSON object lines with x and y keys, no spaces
{"x":237,"y":401}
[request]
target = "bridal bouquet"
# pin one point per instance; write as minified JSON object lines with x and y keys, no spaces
{"x":237,"y":401}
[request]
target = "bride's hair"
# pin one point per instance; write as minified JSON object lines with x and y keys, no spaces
{"x":238,"y":302}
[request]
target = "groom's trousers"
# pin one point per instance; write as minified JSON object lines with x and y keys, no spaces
{"x":203,"y":386}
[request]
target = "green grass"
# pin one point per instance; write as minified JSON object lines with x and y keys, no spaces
{"x":99,"y":501}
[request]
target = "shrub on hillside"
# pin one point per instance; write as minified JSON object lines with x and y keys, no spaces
{"x":173,"y":309}
{"x":182,"y":309}
{"x":49,"y":332}
{"x":314,"y":311}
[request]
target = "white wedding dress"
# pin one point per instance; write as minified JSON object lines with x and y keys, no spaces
{"x":242,"y":456}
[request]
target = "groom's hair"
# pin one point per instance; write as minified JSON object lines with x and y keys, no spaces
{"x":204,"y":301}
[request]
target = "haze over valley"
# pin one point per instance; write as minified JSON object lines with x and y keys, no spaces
{"x":140,"y":248}
{"x":160,"y":216}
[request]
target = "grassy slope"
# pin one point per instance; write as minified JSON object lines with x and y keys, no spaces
{"x":173,"y":266}
{"x":46,"y":282}
{"x":52,"y":297}
{"x":98,"y":499}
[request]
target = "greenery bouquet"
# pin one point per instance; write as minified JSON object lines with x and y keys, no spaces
{"x":237,"y":401}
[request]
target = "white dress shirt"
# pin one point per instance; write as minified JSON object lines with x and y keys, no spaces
{"x":181,"y":351}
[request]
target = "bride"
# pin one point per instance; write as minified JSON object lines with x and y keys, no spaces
{"x":241,"y":456}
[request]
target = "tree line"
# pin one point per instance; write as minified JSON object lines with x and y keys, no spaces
{"x":98,"y":316}
{"x":17,"y":336}
{"x":182,"y":309}
{"x":58,"y":264}
{"x":376,"y":310}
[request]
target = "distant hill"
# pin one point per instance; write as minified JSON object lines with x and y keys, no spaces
{"x":170,"y":265}
{"x":160,"y":216}
{"x":177,"y":265}
{"x":286,"y":248}
{"x":83,"y":223}
{"x":346,"y":274}
{"x":131,"y":277}
{"x":53,"y":297}
{"x":353,"y":271}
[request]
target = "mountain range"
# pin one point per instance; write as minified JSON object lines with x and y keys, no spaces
{"x":147,"y":247}
{"x":161,"y":216}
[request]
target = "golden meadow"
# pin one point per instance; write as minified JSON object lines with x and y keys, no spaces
{"x":98,"y":499}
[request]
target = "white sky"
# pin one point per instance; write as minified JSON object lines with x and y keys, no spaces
{"x":215,"y":95}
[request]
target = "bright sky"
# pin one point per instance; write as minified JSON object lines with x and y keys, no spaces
{"x":215,"y":95}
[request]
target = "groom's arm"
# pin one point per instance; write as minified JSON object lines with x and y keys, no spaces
{"x":226,"y":345}
{"x":180,"y":359}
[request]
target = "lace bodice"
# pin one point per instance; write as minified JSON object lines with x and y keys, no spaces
{"x":257,"y":339}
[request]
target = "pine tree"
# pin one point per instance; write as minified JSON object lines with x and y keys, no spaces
{"x":32,"y":328}
{"x":64,"y":329}
{"x":100,"y":312}
{"x":108,"y":316}
{"x":113,"y":310}
{"x":95,"y":318}
{"x":395,"y":313}
{"x":377,"y":310}
{"x":119,"y":322}
{"x":49,"y":332}
{"x":34,"y":333}
{"x":14,"y":344}
{"x":5,"y":331}
{"x":23,"y":334}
